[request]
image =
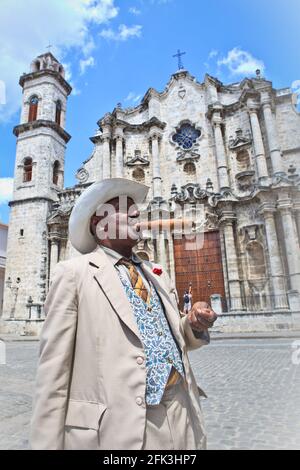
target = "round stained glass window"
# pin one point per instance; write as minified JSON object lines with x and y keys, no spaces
{"x":187,"y":136}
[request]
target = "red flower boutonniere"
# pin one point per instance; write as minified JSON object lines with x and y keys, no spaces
{"x":157,"y":270}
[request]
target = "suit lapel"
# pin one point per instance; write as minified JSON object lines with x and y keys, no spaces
{"x":109,"y":282}
{"x":172,"y":315}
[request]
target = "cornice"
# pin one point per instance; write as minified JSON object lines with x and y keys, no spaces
{"x":34,"y":75}
{"x":41,"y":123}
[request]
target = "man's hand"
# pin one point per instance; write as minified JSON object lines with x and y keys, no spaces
{"x":201,"y":316}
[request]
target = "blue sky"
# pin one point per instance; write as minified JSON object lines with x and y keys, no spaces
{"x":114,"y":50}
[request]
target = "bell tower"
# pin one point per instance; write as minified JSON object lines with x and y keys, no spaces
{"x":38,"y":177}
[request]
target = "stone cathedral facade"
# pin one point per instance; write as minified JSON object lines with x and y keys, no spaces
{"x":234,"y":149}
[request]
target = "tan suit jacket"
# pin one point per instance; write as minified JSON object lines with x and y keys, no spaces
{"x":91,"y":378}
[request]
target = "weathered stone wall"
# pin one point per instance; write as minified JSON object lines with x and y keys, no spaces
{"x":27,"y":257}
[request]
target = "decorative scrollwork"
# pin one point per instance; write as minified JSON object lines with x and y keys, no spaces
{"x":191,"y":193}
{"x":82,"y":175}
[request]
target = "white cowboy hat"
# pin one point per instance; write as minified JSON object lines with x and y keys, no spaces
{"x":90,"y":200}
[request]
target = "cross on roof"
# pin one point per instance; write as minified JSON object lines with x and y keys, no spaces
{"x":178,"y":55}
{"x":49,"y":47}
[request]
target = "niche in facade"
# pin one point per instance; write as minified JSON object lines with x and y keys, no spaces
{"x":256,"y":260}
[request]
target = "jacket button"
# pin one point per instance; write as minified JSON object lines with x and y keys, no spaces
{"x":140,"y":360}
{"x":139,"y":401}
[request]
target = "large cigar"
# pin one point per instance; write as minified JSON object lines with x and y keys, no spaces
{"x":165,"y":224}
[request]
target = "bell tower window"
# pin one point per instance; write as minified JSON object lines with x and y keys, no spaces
{"x":58,"y":112}
{"x":33,"y":108}
{"x":27,"y":173}
{"x":56,"y":168}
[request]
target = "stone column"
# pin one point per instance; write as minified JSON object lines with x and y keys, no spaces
{"x":63,"y":247}
{"x":232,"y":261}
{"x":260,"y":157}
{"x":156,"y":175}
{"x":220,"y":151}
{"x":297,"y":217}
{"x":106,"y":157}
{"x":291,"y":240}
{"x":106,"y":141}
{"x":172,"y":259}
{"x":53,"y":254}
{"x":274,"y":148}
{"x":119,"y":156}
{"x":277,"y":274}
{"x":161,"y":249}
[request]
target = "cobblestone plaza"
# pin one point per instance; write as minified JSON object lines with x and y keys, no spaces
{"x":252,"y":386}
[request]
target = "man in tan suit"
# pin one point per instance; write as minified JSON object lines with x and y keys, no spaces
{"x":113,"y":370}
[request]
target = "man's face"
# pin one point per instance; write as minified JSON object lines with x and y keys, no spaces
{"x":116,"y":220}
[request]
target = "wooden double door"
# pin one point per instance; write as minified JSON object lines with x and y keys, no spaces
{"x":202,"y":267}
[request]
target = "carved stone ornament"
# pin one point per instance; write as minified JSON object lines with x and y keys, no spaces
{"x":240,"y":140}
{"x":182,"y":92}
{"x":138,"y":161}
{"x":82,"y":175}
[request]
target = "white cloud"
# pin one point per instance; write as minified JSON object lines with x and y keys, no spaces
{"x":85,"y":63}
{"x":133,"y":97}
{"x":2,"y":92}
{"x":6,"y":190}
{"x":28,"y":26}
{"x":240,"y":62}
{"x":212,"y":54}
{"x":134,"y":11}
{"x":124,"y":32}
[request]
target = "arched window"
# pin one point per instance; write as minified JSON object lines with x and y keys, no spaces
{"x":33,"y":108}
{"x":56,"y":168}
{"x":58,"y":112}
{"x":27,"y":170}
{"x":138,"y":174}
